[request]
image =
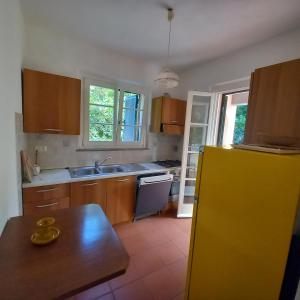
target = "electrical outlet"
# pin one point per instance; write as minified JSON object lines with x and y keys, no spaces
{"x":40,"y":148}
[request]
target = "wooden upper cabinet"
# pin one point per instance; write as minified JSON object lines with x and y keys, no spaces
{"x":274,"y":105}
{"x":87,"y":192}
{"x":121,"y":193}
{"x":173,"y":111}
{"x":168,"y":115}
{"x":69,"y":91}
{"x":51,"y":103}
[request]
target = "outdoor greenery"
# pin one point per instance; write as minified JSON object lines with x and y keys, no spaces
{"x":101,"y":95}
{"x":240,"y":122}
{"x":102,"y":118}
{"x":101,"y":115}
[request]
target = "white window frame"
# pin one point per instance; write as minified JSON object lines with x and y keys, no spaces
{"x":118,"y":110}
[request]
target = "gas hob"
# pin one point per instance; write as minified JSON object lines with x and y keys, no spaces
{"x":169,"y":163}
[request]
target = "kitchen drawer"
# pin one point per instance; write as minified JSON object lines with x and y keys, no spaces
{"x":44,"y":193}
{"x":45,"y":206}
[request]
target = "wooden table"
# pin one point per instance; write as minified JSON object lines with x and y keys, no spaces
{"x":87,"y":253}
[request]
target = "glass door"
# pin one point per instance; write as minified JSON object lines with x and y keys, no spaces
{"x":198,"y":132}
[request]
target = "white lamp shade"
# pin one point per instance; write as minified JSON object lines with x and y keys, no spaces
{"x":167,"y":79}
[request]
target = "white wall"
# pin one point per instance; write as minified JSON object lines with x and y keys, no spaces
{"x":60,"y":53}
{"x":239,"y":64}
{"x":11,"y":31}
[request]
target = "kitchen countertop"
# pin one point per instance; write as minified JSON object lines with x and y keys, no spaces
{"x":60,"y":176}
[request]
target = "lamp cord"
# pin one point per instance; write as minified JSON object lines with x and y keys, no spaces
{"x":169,"y":42}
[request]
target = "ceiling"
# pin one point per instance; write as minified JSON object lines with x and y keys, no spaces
{"x":202,"y":29}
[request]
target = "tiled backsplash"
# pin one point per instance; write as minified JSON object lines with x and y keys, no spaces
{"x":62,"y":151}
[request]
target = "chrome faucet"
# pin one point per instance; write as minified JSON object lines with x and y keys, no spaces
{"x":99,"y":163}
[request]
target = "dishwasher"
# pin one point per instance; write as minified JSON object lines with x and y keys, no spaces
{"x":152,"y":194}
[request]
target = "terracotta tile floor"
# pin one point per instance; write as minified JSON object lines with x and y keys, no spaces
{"x":158,"y":248}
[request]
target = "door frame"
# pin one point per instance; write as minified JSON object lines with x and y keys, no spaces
{"x":222,"y":111}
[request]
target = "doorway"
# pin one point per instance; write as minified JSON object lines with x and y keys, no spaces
{"x":233,"y":117}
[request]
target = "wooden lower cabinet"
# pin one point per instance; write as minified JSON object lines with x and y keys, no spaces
{"x":45,"y":206}
{"x":43,"y":199}
{"x":116,"y":196}
{"x":86,"y":192}
{"x":121,"y":192}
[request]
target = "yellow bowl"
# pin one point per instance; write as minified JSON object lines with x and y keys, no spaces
{"x":45,"y":236}
{"x":45,"y":222}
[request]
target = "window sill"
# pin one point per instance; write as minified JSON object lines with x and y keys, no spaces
{"x":111,"y":149}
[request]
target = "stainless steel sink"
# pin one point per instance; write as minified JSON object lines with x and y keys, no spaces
{"x":132,"y":167}
{"x":83,"y":172}
{"x":104,"y":169}
{"x":110,"y":169}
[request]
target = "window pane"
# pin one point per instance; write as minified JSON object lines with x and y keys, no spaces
{"x":240,"y":123}
{"x":191,"y":172}
{"x":200,"y":113}
{"x":102,"y":95}
{"x":100,"y":133}
{"x":189,"y":191}
{"x":133,"y":100}
{"x":132,"y":117}
{"x":131,"y":134}
{"x":197,"y":138}
{"x":101,"y":114}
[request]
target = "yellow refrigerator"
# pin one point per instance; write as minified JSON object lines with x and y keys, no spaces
{"x":244,"y":217}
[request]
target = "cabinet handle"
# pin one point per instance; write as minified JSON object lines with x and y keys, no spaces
{"x":46,"y":191}
{"x":47,"y":205}
{"x":122,"y":180}
{"x":53,"y":129}
{"x":173,"y":121}
{"x":89,"y":184}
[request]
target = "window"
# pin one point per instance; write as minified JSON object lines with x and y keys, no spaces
{"x":240,"y":123}
{"x":114,"y":116}
{"x":233,"y":118}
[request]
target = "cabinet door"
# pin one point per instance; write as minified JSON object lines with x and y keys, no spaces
{"x":274,"y":106}
{"x":287,"y":124}
{"x":40,"y":102}
{"x":173,"y":111}
{"x":86,"y":192}
{"x":69,"y":91}
{"x":262,"y":104}
{"x":120,"y":199}
{"x":181,"y":108}
{"x":51,"y":103}
{"x":169,"y":111}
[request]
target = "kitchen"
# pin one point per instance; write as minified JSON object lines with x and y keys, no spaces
{"x":144,"y":131}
